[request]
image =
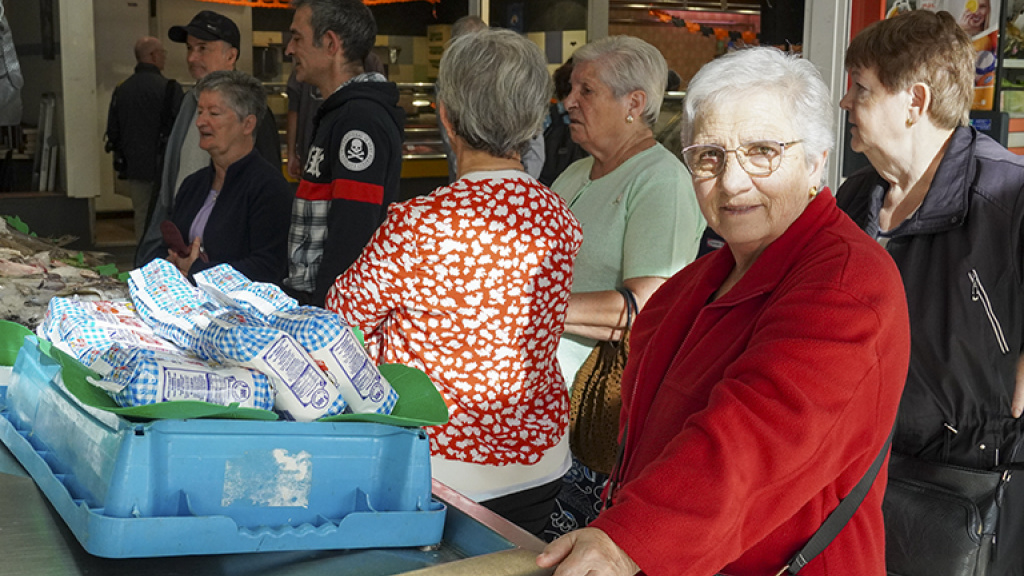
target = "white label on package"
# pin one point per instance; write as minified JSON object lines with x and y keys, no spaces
{"x":360,"y":371}
{"x":223,"y":389}
{"x":289,"y":363}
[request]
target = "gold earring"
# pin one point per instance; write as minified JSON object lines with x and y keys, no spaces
{"x":629,"y":119}
{"x":910,"y":122}
{"x":814,"y":191}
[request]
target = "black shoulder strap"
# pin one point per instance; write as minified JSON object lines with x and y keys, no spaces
{"x":835,"y":522}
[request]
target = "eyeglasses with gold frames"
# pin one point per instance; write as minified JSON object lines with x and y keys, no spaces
{"x":758,"y":158}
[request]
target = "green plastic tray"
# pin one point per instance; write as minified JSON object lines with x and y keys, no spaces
{"x":12,"y":336}
{"x":419,"y":402}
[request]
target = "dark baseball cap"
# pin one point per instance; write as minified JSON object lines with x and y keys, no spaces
{"x":207,"y":25}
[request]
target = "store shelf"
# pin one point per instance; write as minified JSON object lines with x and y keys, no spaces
{"x":1015,"y":138}
{"x":14,"y":155}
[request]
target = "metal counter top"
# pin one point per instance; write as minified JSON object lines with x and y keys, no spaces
{"x":35,"y":541}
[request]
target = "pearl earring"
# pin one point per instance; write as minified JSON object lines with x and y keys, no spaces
{"x":629,"y":119}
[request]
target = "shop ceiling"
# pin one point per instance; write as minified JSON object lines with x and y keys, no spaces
{"x":743,"y":6}
{"x":740,"y":6}
{"x":287,"y":3}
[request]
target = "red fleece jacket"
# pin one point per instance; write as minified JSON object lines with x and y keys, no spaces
{"x":752,"y":416}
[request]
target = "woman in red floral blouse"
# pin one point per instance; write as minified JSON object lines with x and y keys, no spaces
{"x":471,"y":284}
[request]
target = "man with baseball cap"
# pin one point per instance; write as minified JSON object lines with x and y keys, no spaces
{"x":212,"y":41}
{"x":354,"y":163}
{"x":207,"y":26}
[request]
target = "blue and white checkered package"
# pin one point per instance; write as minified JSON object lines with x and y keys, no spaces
{"x":87,"y":329}
{"x":229,"y":287}
{"x":330,"y":341}
{"x":139,"y":377}
{"x":323,"y":334}
{"x":168,"y":302}
{"x":303,"y":391}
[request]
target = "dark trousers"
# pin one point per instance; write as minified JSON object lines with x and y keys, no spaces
{"x":579,"y":501}
{"x":528,"y":509}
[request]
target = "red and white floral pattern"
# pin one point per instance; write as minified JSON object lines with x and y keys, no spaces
{"x":471,"y":284}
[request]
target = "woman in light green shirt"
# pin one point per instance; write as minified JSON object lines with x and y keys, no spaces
{"x":635,"y":200}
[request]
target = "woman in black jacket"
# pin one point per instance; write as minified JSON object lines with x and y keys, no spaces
{"x":237,"y":210}
{"x":945,"y":201}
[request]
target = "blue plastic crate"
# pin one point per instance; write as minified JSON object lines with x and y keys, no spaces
{"x":184,"y":487}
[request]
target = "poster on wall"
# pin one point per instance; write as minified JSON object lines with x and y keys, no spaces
{"x":980,"y":19}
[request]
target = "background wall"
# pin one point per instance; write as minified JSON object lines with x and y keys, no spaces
{"x":412,"y":18}
{"x":684,"y":51}
{"x":115,"y":62}
{"x":539,"y":15}
{"x":40,"y":74}
{"x":36,"y":27}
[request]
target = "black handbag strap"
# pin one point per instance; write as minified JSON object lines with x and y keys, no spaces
{"x":632,"y":309}
{"x":631,"y":306}
{"x":835,"y":522}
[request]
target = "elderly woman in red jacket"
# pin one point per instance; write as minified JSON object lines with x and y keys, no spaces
{"x":763,"y":378}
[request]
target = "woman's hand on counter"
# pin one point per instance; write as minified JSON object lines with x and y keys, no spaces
{"x":587,"y":552}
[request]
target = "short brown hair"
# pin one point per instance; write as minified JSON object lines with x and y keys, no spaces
{"x":921,"y":46}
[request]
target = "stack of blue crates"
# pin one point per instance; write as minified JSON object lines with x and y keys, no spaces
{"x":183,"y":487}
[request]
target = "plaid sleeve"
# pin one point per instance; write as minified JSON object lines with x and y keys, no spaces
{"x":306,"y":240}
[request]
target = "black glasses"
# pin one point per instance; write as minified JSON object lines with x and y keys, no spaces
{"x":759,"y":158}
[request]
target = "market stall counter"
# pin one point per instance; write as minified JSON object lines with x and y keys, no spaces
{"x":476,"y":541}
{"x":52,"y":515}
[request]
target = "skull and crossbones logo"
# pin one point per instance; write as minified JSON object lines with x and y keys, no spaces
{"x":357,"y":151}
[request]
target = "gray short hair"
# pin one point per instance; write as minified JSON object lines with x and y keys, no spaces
{"x":495,"y":87}
{"x":752,"y":72}
{"x":467,"y":25}
{"x":351,"y":20}
{"x":626,"y":64}
{"x":242,"y":93}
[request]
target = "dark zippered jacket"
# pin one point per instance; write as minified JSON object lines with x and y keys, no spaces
{"x":248,"y":226}
{"x":135,"y":116}
{"x":961,"y":257}
{"x":352,"y":173}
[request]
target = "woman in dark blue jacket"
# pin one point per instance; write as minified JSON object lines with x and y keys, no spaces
{"x":237,"y":210}
{"x":947,"y":202}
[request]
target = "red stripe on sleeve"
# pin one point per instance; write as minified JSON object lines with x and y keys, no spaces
{"x":358,"y":191}
{"x":342,"y":189}
{"x":313,"y":191}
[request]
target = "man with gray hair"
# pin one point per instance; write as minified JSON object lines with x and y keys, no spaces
{"x":354,"y":163}
{"x":467,"y":25}
{"x":142,"y":109}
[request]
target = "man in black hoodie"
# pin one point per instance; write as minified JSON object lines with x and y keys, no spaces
{"x":354,"y":164}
